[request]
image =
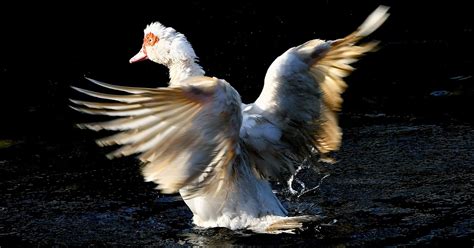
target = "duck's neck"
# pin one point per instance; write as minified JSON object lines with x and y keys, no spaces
{"x":182,"y":69}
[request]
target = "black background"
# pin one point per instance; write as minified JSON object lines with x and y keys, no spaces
{"x":48,"y":47}
{"x":47,"y":166}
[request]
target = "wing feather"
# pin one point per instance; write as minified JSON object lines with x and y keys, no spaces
{"x":185,"y":135}
{"x":301,"y":97}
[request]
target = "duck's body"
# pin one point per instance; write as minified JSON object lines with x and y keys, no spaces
{"x":248,"y":203}
{"x":197,"y":138}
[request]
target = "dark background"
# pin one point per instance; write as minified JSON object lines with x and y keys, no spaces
{"x":47,"y":48}
{"x":426,"y":47}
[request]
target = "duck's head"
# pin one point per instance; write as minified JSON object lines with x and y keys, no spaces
{"x":164,"y":45}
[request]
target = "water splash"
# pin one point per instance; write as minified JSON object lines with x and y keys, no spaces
{"x":293,"y":178}
{"x":314,"y":188}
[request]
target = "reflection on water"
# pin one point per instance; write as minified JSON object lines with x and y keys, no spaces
{"x":313,"y":234}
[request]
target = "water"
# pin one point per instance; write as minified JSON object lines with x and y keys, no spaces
{"x":397,"y":181}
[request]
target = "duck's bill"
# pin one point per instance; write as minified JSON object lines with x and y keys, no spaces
{"x":140,"y":56}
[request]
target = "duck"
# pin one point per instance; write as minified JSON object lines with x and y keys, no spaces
{"x":196,"y":137}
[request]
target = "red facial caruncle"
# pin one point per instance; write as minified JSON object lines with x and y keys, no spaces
{"x":149,"y":40}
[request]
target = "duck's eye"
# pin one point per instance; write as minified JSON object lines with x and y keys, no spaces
{"x":150,"y":39}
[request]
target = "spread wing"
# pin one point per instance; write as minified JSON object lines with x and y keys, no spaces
{"x":185,"y":136}
{"x":296,"y":113}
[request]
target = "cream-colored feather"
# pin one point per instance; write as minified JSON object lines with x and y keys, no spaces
{"x":182,"y":133}
{"x":301,"y":97}
{"x":331,"y":67}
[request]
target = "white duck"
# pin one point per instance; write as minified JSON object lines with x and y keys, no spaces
{"x":195,"y":137}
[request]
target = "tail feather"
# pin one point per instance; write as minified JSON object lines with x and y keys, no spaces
{"x":290,"y":224}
